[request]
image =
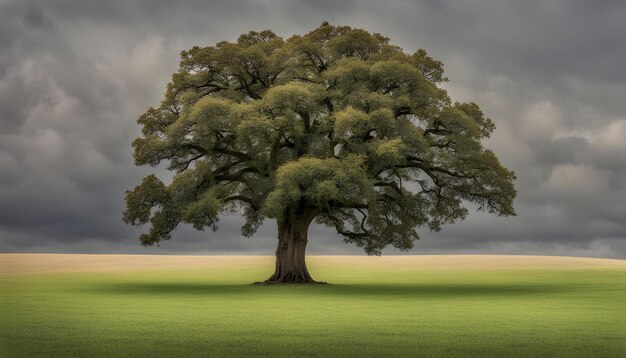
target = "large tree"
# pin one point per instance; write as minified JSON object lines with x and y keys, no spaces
{"x":337,"y":126}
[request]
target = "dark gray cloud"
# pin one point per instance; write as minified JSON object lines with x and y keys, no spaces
{"x":75,"y":75}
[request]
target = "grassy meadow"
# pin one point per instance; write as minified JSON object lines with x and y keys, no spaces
{"x":432,"y":306}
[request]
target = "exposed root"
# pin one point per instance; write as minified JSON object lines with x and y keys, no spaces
{"x":274,"y":282}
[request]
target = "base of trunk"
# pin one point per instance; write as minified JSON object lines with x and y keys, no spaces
{"x":271,"y":282}
{"x":290,"y":253}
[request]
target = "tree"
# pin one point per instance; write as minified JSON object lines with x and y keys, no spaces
{"x":337,"y":126}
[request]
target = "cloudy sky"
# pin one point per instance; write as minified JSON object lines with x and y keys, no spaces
{"x":75,"y":75}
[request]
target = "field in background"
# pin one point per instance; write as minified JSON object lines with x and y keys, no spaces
{"x":135,"y":305}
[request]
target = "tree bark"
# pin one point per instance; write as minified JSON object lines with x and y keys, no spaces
{"x":290,"y":253}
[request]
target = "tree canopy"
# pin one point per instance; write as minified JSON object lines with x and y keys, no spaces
{"x":338,"y":125}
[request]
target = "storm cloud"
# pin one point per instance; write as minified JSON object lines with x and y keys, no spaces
{"x":75,"y":75}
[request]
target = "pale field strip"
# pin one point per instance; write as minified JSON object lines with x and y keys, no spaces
{"x":55,"y":263}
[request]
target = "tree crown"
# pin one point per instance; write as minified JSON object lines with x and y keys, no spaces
{"x":338,"y":122}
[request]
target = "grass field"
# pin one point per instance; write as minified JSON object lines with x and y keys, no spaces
{"x":130,"y":305}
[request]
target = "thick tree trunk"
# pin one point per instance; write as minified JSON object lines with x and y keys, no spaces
{"x":290,"y":253}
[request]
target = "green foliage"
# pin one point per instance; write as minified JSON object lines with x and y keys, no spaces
{"x":338,"y":122}
{"x":320,"y":183}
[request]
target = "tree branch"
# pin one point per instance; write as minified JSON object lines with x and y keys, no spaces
{"x":242,"y":198}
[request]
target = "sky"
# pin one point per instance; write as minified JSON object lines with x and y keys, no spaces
{"x":75,"y":75}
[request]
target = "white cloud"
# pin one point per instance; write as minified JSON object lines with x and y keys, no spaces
{"x":541,"y":121}
{"x":581,"y":181}
{"x":612,"y":136}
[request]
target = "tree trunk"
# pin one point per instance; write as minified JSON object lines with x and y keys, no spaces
{"x":290,"y":253}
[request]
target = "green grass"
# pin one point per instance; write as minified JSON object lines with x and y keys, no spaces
{"x":368,"y":310}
